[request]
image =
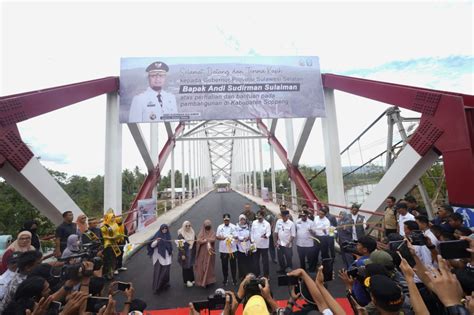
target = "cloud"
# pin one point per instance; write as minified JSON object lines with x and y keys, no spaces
{"x":44,"y":152}
{"x":452,"y":72}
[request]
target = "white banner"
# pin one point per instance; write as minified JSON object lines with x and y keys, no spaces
{"x":146,"y":213}
{"x":205,"y":88}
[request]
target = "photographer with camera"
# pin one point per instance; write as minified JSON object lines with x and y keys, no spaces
{"x":344,"y":237}
{"x":255,"y":294}
{"x":364,"y":247}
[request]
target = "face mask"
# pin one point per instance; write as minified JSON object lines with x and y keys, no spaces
{"x":207,"y":228}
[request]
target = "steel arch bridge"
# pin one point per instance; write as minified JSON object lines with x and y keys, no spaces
{"x":223,"y":148}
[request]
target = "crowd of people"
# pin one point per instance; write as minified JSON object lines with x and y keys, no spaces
{"x":380,"y":278}
{"x":88,"y":255}
{"x":401,"y":273}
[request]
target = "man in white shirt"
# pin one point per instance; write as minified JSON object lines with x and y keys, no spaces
{"x":285,"y":232}
{"x":154,"y":104}
{"x":321,"y":229}
{"x":424,"y":224}
{"x":260,"y":234}
{"x":421,"y":250}
{"x":7,"y":276}
{"x":304,"y":240}
{"x":226,"y":234}
{"x":403,"y":216}
{"x":359,"y":223}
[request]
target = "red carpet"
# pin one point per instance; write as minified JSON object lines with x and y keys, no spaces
{"x":185,"y":311}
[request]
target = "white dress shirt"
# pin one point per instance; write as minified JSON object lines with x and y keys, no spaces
{"x":431,"y":236}
{"x":227,"y":231}
{"x":146,"y":106}
{"x":285,"y":231}
{"x":321,"y":226}
{"x":303,"y":233}
{"x":354,"y":219}
{"x":402,"y":219}
{"x":258,"y":230}
{"x":5,"y":279}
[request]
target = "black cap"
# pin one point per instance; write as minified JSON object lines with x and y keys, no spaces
{"x":226,"y":216}
{"x":157,"y":66}
{"x":387,"y":294}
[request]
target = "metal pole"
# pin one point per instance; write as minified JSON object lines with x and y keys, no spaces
{"x":272,"y":171}
{"x":183,"y":184}
{"x":290,"y":141}
{"x":249,"y":168}
{"x":113,"y":156}
{"x":424,"y":194}
{"x":195,"y":168}
{"x":388,"y":158}
{"x":154,"y":151}
{"x":332,"y":151}
{"x":190,"y":164}
{"x":254,"y":171}
{"x":262,"y":183}
{"x":173,"y":184}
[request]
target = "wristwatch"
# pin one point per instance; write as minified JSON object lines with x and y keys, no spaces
{"x":457,"y":310}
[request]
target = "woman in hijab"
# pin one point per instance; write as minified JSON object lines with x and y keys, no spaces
{"x":205,"y":256}
{"x":244,"y":260}
{"x":121,"y":241}
{"x":160,"y":251}
{"x":187,"y":252}
{"x":72,"y":248}
{"x":111,"y":250}
{"x":22,"y":244}
{"x":32,"y":227}
{"x":81,"y":224}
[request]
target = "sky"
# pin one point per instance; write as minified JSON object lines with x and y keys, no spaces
{"x":47,"y":44}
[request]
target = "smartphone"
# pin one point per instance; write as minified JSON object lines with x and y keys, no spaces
{"x":417,"y":238}
{"x":201,"y":305}
{"x":454,"y":249}
{"x":95,"y":303}
{"x":328,"y":269}
{"x":405,"y":252}
{"x":287,"y":280}
{"x":54,"y":307}
{"x":122,"y":286}
{"x":393,"y":245}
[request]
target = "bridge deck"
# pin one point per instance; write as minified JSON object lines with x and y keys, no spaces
{"x":213,"y":206}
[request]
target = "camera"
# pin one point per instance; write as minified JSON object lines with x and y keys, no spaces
{"x":251,"y":287}
{"x":349,"y":247}
{"x":215,"y":301}
{"x":358,"y":273}
{"x":417,"y":238}
{"x":88,"y":252}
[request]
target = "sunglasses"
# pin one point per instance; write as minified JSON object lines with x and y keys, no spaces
{"x":187,"y":225}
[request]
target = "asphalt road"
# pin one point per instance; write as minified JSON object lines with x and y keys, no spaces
{"x":213,"y":206}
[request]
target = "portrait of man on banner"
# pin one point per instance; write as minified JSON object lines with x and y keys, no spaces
{"x":146,"y":213}
{"x":154,"y":104}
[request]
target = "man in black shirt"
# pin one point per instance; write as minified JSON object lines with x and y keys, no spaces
{"x":63,"y":231}
{"x":414,"y":208}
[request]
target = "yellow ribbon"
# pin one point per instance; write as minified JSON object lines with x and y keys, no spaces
{"x":228,"y":244}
